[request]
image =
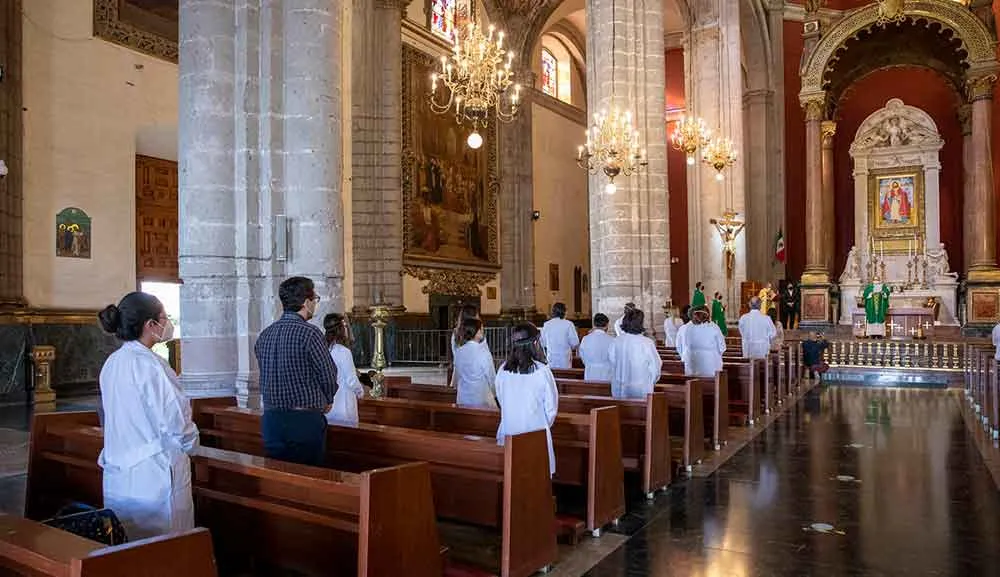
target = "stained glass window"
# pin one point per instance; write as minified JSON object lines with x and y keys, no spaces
{"x":445,"y":14}
{"x":550,"y":82}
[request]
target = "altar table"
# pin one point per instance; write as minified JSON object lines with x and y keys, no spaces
{"x":901,"y":322}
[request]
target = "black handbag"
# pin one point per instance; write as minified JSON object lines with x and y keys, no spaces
{"x":101,"y":525}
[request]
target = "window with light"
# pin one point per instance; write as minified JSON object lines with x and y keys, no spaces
{"x":550,"y":74}
{"x":445,"y":15}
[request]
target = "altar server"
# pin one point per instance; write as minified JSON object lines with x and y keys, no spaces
{"x":670,"y":327}
{"x":594,"y":351}
{"x":526,"y":389}
{"x":349,"y":389}
{"x":474,"y":371}
{"x":704,"y":345}
{"x":148,"y":431}
{"x":464,"y":312}
{"x":635,"y":361}
{"x":618,"y":323}
{"x":756,"y":331}
{"x":682,"y":330}
{"x":559,"y":338}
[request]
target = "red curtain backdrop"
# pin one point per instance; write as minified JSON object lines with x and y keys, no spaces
{"x":677,"y":182}
{"x":795,"y":156}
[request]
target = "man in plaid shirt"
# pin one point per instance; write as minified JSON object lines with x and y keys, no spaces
{"x":297,"y":378}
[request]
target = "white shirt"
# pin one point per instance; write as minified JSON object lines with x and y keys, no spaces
{"x":349,"y":390}
{"x":756,"y":333}
{"x":671,"y":325}
{"x":474,"y":376}
{"x":679,"y":342}
{"x":148,"y":434}
{"x":996,"y":341}
{"x":594,"y":353}
{"x":559,"y":338}
{"x":454,"y":350}
{"x":704,"y":345}
{"x":636,"y":365}
{"x":618,"y":325}
{"x":528,"y":403}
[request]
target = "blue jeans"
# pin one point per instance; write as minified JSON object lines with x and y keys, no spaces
{"x":294,"y":436}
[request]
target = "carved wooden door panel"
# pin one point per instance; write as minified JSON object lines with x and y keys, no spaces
{"x":156,"y":219}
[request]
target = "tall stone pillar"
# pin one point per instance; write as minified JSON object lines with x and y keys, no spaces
{"x":828,"y":129}
{"x":983,"y":276}
{"x":628,"y":229}
{"x":11,"y":246}
{"x":816,"y":277}
{"x":517,"y":280}
{"x":376,"y":132}
{"x":968,"y":176}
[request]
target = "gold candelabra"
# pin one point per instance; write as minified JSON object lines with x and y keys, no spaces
{"x":612,"y":147}
{"x":380,"y":314}
{"x":476,"y":78}
{"x":720,"y":154}
{"x":689,"y":135}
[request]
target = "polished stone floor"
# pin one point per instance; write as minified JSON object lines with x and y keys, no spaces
{"x":852,"y":481}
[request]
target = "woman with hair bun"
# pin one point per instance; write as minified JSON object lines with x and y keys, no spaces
{"x":148,"y":431}
{"x":634,"y":359}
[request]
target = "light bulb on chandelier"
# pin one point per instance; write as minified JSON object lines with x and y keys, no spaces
{"x":719,"y":176}
{"x":610,"y":188}
{"x":691,"y":161}
{"x":475,"y":140}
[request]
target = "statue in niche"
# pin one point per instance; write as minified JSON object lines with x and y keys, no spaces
{"x":852,"y":269}
{"x":937,"y":264}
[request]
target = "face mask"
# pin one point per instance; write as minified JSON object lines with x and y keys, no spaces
{"x":311,"y":308}
{"x":166,"y":331}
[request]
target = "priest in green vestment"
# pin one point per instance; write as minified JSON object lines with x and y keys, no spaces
{"x":876,"y":298}
{"x":698,"y":298}
{"x":719,"y":314}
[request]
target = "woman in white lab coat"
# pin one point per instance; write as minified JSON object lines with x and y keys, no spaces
{"x":670,"y":327}
{"x":148,"y":431}
{"x":594,"y":351}
{"x":526,"y":390}
{"x":465,"y":312}
{"x":703,"y":345}
{"x":474,"y":372}
{"x":349,"y":389}
{"x":559,"y":338}
{"x":634,"y":358}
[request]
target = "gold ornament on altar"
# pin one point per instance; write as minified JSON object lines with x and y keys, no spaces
{"x":477,"y":77}
{"x":612,"y":147}
{"x":891,"y":11}
{"x":689,"y":135}
{"x":720,"y":154}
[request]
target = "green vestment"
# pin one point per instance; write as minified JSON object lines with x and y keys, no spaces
{"x":697,"y":299}
{"x":719,"y":316}
{"x":876,"y":304}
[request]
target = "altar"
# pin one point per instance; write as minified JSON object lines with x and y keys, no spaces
{"x":901,"y":323}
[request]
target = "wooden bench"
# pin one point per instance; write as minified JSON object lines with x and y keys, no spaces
{"x":473,"y":479}
{"x":587,"y":447}
{"x":308,"y":519}
{"x":32,"y":549}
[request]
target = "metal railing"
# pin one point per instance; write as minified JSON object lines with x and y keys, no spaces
{"x":421,"y":347}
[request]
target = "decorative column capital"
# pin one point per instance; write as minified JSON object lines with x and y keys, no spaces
{"x":814,"y":105}
{"x":965,"y":119}
{"x":828,"y":128}
{"x":980,"y":87}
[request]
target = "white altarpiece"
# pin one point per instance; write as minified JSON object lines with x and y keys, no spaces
{"x":898,"y":143}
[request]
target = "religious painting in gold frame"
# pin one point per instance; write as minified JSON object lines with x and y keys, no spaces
{"x":896,"y":209}
{"x":449,"y":189}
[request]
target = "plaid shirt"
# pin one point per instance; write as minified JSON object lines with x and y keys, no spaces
{"x":296,"y":370}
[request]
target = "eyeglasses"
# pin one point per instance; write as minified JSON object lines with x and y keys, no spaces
{"x":316,"y":299}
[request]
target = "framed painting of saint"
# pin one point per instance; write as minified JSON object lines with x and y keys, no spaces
{"x":449,"y":193}
{"x":896,"y":207}
{"x":72,"y":233}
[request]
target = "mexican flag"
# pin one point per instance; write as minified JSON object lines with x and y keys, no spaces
{"x":779,"y":247}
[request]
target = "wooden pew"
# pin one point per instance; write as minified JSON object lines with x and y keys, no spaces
{"x":313,"y":520}
{"x":473,"y":479}
{"x":588,"y":447}
{"x":643,"y":450}
{"x":752,"y":381}
{"x":32,"y":549}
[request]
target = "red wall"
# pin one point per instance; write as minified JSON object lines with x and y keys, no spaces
{"x":677,"y":182}
{"x":795,"y":156}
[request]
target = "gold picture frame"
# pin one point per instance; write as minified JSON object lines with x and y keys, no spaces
{"x":896,"y":209}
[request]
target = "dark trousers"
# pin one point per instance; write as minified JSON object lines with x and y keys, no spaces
{"x":294,"y":436}
{"x":790,"y":315}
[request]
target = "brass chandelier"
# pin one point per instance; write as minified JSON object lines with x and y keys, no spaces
{"x":720,"y":154}
{"x":477,"y":79}
{"x":612,"y":142}
{"x":689,"y":135}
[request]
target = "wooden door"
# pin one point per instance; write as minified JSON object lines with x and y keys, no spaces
{"x":156,"y":219}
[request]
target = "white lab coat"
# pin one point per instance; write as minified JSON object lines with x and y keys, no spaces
{"x":594,"y":353}
{"x":475,"y":376}
{"x":679,"y":342}
{"x":148,"y":434}
{"x":756,"y":333}
{"x":636,"y":365}
{"x":618,"y":325}
{"x":454,"y":350}
{"x":996,"y":341}
{"x":670,"y":327}
{"x":344,"y":411}
{"x":703,"y":348}
{"x":559,"y":339}
{"x":528,"y":403}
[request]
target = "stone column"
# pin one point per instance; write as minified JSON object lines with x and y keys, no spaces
{"x":983,"y":227}
{"x":828,"y":129}
{"x":628,"y":229}
{"x":11,"y":247}
{"x":206,"y":182}
{"x":517,"y":280}
{"x":376,"y":132}
{"x":815,"y":271}
{"x":968,"y":176}
{"x":760,"y":180}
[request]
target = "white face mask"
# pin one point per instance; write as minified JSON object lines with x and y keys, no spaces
{"x":166,"y":331}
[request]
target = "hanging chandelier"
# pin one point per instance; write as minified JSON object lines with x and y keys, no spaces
{"x":477,"y":79}
{"x":689,"y":135}
{"x":612,"y":142}
{"x":720,"y":154}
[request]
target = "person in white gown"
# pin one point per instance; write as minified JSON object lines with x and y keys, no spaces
{"x":526,"y":390}
{"x":618,"y":322}
{"x":594,"y":351}
{"x":779,"y":334}
{"x":474,"y":372}
{"x":703,"y":346}
{"x":148,"y":431}
{"x":756,"y":332}
{"x":671,"y":325}
{"x":349,"y":388}
{"x":682,"y":330}
{"x":559,"y":338}
{"x":635,"y":361}
{"x":465,"y":312}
